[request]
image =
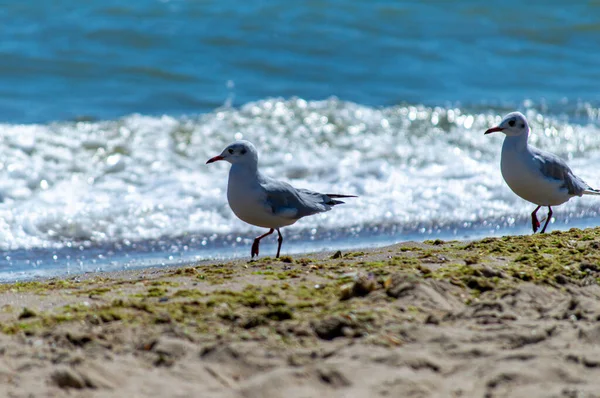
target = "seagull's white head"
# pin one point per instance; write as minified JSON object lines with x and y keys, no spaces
{"x":513,"y":124}
{"x":238,"y":152}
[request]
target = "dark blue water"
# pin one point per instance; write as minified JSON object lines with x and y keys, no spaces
{"x":61,"y":60}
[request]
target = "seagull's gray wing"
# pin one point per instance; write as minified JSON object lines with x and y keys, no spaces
{"x":285,"y":201}
{"x":555,"y":168}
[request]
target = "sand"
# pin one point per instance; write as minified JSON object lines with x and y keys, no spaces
{"x":505,"y":317}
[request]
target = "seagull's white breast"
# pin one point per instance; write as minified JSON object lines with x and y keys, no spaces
{"x":523,"y":176}
{"x":248,"y":201}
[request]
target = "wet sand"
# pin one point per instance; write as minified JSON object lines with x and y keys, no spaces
{"x":497,"y":317}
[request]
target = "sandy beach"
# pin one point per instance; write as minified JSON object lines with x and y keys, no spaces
{"x":498,"y":317}
{"x":125,"y":246}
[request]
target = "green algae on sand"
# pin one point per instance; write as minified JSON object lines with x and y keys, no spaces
{"x":263,"y":295}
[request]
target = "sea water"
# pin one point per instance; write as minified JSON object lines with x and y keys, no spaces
{"x":109,"y":112}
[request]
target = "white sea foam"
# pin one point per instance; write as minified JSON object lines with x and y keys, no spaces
{"x":143,"y":178}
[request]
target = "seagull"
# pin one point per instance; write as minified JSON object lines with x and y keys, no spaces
{"x":263,"y":201}
{"x":537,"y":176}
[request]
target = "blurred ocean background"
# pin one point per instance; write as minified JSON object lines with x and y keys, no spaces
{"x":109,"y":110}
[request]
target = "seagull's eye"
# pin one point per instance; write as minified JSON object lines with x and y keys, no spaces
{"x":230,"y":151}
{"x":511,"y":123}
{"x":522,"y":125}
{"x":243,"y":151}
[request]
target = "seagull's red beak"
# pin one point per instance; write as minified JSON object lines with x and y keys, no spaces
{"x":493,"y":130}
{"x":211,"y":160}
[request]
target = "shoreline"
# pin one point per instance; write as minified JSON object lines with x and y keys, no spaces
{"x":110,"y":260}
{"x":509,"y":316}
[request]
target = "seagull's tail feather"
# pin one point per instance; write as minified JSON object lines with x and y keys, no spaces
{"x":591,"y":191}
{"x":336,"y":196}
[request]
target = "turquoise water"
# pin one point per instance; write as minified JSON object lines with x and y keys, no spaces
{"x":105,"y":59}
{"x":109,"y":110}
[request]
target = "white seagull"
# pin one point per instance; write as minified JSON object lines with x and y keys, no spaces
{"x":263,"y":201}
{"x":537,"y":176}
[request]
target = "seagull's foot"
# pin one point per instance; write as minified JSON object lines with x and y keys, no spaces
{"x":254,"y":250}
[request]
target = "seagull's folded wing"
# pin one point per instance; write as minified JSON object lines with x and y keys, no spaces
{"x":553,"y":167}
{"x":285,"y":201}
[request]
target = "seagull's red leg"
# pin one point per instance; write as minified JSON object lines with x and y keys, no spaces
{"x":547,"y":219}
{"x":254,"y":250}
{"x":534,"y":220}
{"x":279,"y":242}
